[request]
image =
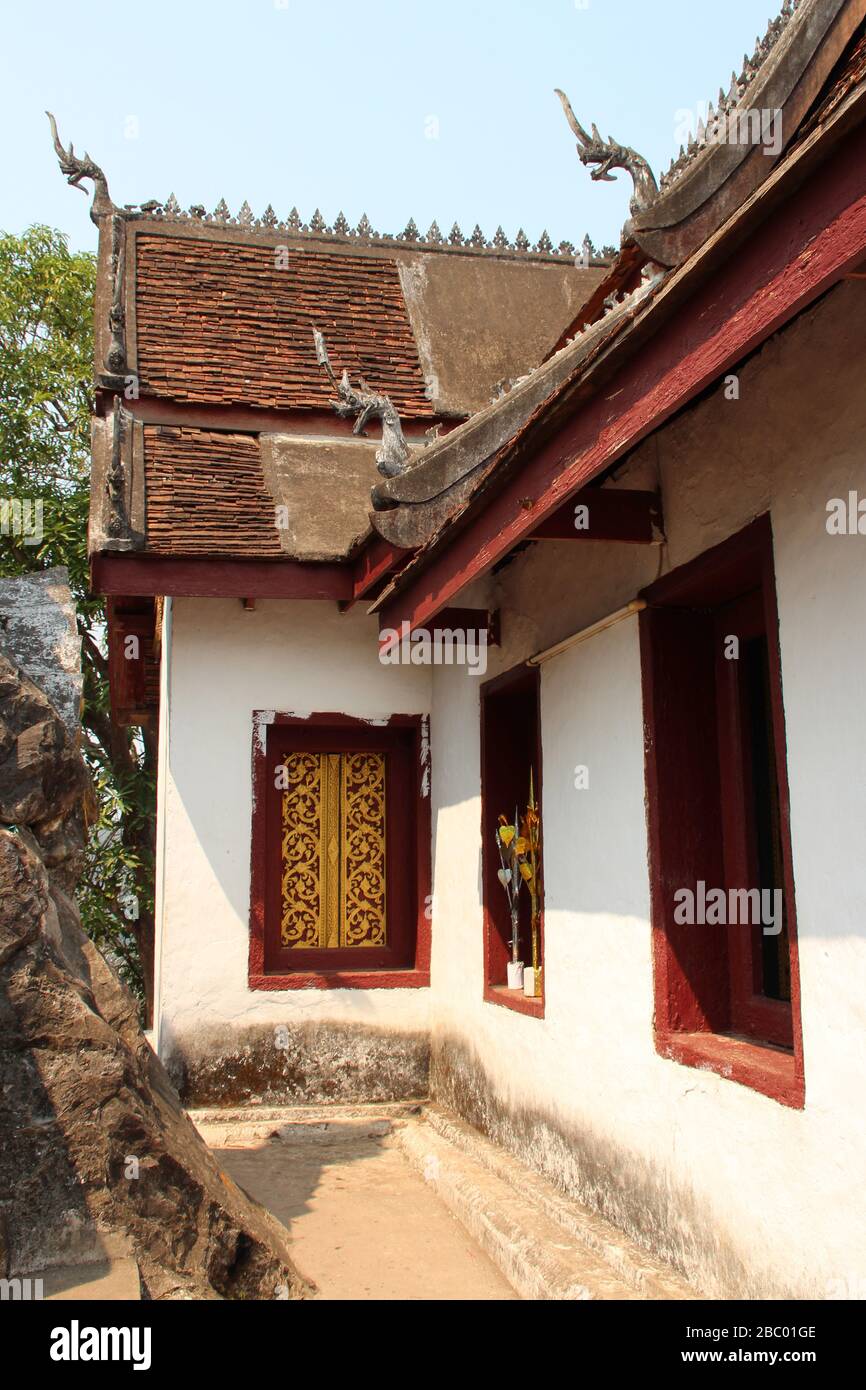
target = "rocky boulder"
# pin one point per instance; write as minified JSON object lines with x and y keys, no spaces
{"x":97,"y":1153}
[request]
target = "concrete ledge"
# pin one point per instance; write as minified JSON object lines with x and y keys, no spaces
{"x":547,"y":1246}
{"x":649,"y":1277}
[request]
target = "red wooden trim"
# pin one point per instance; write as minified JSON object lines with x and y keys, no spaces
{"x":376,"y":563}
{"x":771,"y":609}
{"x":513,"y":999}
{"x":807,"y":245}
{"x":343,"y":979}
{"x":346,"y":972}
{"x":769,"y":1070}
{"x":133,"y":681}
{"x":695,"y":1029}
{"x":714,"y":576}
{"x":150,"y":575}
{"x":615,"y":514}
{"x":454,"y":620}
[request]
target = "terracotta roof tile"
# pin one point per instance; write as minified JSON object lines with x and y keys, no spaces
{"x":206,"y":494}
{"x":219,"y":323}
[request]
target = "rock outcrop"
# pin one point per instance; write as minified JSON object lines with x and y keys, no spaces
{"x":96,"y":1153}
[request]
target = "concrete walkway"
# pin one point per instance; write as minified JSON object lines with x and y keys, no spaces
{"x":365,"y":1224}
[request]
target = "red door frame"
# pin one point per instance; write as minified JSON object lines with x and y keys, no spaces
{"x":682,"y":1030}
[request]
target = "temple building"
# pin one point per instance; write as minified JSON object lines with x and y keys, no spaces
{"x":496,"y":607}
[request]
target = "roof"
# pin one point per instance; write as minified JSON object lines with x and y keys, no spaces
{"x":426,"y":506}
{"x":206,"y":365}
{"x":486,"y":341}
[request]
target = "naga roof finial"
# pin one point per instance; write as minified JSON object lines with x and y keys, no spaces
{"x":608,"y":154}
{"x":393,"y":456}
{"x":77,"y":169}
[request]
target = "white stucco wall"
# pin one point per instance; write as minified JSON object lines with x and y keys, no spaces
{"x":225,"y":663}
{"x":751,"y":1195}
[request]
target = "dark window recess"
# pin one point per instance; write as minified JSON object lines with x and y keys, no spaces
{"x":510,"y":749}
{"x":717,"y":795}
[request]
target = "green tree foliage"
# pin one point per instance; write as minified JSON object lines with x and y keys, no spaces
{"x":46,"y":368}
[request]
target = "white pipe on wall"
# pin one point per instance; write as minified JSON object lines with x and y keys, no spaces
{"x":585,"y":633}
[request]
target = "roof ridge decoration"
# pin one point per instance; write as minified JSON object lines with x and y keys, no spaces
{"x":742,"y":139}
{"x":730,"y":100}
{"x":609,"y":154}
{"x":76,"y":169}
{"x":392,"y":457}
{"x":342,"y":230}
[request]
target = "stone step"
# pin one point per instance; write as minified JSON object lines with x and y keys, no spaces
{"x":547,"y":1245}
{"x":238,"y":1126}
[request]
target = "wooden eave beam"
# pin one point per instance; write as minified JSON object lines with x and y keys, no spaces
{"x":612,"y":514}
{"x":812,"y":240}
{"x":475,"y":620}
{"x":376,"y":563}
{"x":190,"y":577}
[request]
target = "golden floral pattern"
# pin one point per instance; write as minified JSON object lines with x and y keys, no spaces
{"x":333,"y":885}
{"x":364,"y":849}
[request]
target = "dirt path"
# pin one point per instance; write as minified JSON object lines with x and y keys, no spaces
{"x":365,"y":1224}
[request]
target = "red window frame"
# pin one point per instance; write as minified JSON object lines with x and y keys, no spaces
{"x":708,"y":1008}
{"x":405,"y":961}
{"x":520,"y":687}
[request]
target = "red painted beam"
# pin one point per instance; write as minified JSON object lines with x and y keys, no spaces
{"x":453,"y":620}
{"x":140,"y":575}
{"x":374,"y":565}
{"x":808,"y":245}
{"x":605,"y":514}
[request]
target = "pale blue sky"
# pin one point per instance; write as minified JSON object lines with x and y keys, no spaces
{"x":400,"y":108}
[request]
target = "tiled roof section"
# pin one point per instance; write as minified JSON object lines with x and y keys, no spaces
{"x":219,"y":323}
{"x":206,"y":494}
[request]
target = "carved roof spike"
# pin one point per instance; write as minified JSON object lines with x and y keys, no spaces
{"x":197,"y":210}
{"x":434,"y":236}
{"x":293,"y":221}
{"x":607,"y":155}
{"x":544,"y":243}
{"x":478,"y":238}
{"x":221,"y":211}
{"x":500,"y":240}
{"x":365,"y":227}
{"x":172,"y":206}
{"x":455,"y":236}
{"x":410,"y":232}
{"x":245,"y":214}
{"x":341,"y":225}
{"x":521,"y":241}
{"x":77,"y":169}
{"x":317,"y":222}
{"x":393,"y":455}
{"x":269,"y":217}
